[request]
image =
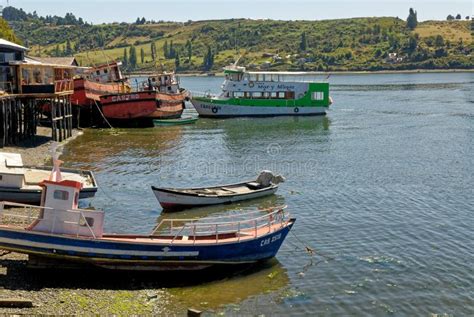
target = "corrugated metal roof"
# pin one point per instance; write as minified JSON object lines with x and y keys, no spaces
{"x":8,"y":44}
{"x":67,"y":61}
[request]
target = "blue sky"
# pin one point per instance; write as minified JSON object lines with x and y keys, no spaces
{"x":99,"y":11}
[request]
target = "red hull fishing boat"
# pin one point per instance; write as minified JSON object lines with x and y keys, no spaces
{"x":129,"y":106}
{"x":161,"y":98}
{"x":97,"y":81}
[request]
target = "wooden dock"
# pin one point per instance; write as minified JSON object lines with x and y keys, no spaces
{"x":20,"y":116}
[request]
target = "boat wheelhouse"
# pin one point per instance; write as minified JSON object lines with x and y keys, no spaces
{"x":93,"y":82}
{"x":264,"y":94}
{"x":169,"y":95}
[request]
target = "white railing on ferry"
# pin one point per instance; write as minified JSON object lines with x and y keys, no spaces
{"x":205,"y":94}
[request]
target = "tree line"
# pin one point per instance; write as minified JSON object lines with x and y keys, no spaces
{"x":170,"y":51}
{"x":14,"y":14}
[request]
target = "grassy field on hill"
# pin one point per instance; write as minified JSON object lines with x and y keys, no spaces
{"x":356,"y":44}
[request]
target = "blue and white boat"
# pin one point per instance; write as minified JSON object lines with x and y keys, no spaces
{"x":58,"y":230}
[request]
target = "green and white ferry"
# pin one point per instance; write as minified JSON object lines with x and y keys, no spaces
{"x":263,"y":94}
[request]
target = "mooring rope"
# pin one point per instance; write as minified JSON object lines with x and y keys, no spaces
{"x":103,"y":116}
{"x":311,"y":251}
{"x":105,"y":193}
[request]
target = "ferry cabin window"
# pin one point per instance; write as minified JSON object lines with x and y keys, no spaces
{"x":274,"y":95}
{"x":318,"y":95}
{"x":236,"y":77}
{"x":61,"y":195}
{"x":257,"y":95}
{"x":266,"y":94}
{"x":281,"y":95}
{"x":238,"y":94}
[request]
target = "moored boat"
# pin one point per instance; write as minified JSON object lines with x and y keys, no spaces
{"x":59,"y":231}
{"x":94,"y":82}
{"x":263,"y":94}
{"x":21,"y":184}
{"x":181,"y":198}
{"x":170,"y":96}
{"x":170,"y":122}
{"x":161,"y":98}
{"x":128,"y":105}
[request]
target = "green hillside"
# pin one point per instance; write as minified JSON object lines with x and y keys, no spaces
{"x":330,"y":45}
{"x":7,"y":33}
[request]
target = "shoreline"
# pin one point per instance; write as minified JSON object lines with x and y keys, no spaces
{"x":37,"y":150}
{"x":358,"y":72}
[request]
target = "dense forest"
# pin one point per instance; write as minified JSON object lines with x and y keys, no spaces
{"x":355,"y":44}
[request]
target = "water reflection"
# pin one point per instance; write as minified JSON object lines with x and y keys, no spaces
{"x":216,"y":210}
{"x":256,"y":280}
{"x":243,"y":130}
{"x":97,"y":149}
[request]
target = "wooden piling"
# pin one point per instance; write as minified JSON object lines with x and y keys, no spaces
{"x":20,"y":116}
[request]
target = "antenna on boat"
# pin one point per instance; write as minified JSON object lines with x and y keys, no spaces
{"x":237,"y":60}
{"x":88,"y":58}
{"x":56,"y":172}
{"x":106,"y":61}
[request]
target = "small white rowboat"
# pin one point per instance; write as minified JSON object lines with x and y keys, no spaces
{"x":182,"y":198}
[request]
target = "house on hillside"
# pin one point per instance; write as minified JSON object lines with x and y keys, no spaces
{"x":394,"y":58}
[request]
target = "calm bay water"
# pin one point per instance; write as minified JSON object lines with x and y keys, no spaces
{"x":382,"y":188}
